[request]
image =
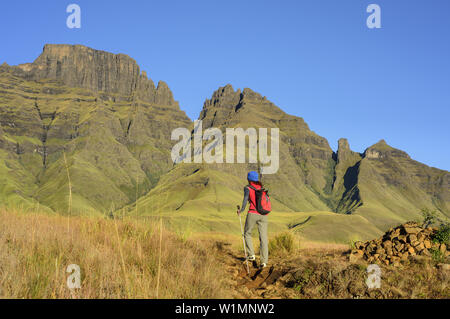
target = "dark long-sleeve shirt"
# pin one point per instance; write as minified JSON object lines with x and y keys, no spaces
{"x":245,"y":200}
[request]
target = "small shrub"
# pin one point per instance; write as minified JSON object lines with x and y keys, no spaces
{"x":443,"y":234}
{"x":429,"y":216}
{"x":437,"y":256}
{"x":282,"y":243}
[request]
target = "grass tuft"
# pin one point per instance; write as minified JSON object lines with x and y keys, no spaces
{"x":282,"y":243}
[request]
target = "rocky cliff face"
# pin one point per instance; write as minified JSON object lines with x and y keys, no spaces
{"x":116,"y":75}
{"x":382,"y":150}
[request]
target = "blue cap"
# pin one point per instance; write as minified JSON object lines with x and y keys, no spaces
{"x":253,"y":176}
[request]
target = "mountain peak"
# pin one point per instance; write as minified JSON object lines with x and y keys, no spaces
{"x":344,"y":153}
{"x":249,"y":94}
{"x":224,"y":96}
{"x":383,"y":150}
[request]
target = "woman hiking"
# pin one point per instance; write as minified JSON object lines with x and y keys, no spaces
{"x":257,"y":215}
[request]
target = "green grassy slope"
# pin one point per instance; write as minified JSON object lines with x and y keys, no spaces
{"x":115,"y":151}
{"x":334,"y":228}
{"x":16,"y":186}
{"x":394,"y":188}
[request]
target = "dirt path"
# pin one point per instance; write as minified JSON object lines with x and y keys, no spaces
{"x":269,"y":282}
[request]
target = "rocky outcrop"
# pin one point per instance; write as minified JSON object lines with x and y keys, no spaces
{"x":117,"y":75}
{"x":344,"y":151}
{"x":229,"y":100}
{"x":163,"y":95}
{"x":224,"y":97}
{"x":398,"y":244}
{"x":382,"y":150}
{"x":346,"y":193}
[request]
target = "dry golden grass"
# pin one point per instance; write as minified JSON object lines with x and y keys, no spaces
{"x":305,"y":245}
{"x":118,"y":259}
{"x":134,"y":258}
{"x":330,"y":275}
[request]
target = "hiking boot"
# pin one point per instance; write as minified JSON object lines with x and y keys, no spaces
{"x":251,"y":258}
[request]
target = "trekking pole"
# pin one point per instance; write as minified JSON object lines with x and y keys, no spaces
{"x":243,"y":240}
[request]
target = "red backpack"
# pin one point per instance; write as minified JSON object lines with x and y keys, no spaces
{"x":263,"y":205}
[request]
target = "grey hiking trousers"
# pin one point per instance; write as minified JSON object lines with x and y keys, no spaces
{"x":261,"y":221}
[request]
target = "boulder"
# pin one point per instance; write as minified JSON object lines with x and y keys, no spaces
{"x":420,"y":247}
{"x":444,"y":267}
{"x":403,"y":239}
{"x":387,"y":244}
{"x":415,"y":243}
{"x":411,"y":229}
{"x":412,"y":238}
{"x":356,"y":255}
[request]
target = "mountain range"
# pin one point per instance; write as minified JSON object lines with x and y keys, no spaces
{"x":87,"y":132}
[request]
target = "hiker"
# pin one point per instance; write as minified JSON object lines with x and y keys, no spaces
{"x":259,"y":207}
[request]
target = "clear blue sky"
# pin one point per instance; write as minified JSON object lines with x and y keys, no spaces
{"x":315,"y":59}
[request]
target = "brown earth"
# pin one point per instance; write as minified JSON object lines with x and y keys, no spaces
{"x":328,"y":273}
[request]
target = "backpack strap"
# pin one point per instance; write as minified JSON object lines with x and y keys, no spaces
{"x":251,"y":187}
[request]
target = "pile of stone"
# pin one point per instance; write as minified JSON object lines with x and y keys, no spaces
{"x":399,"y":244}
